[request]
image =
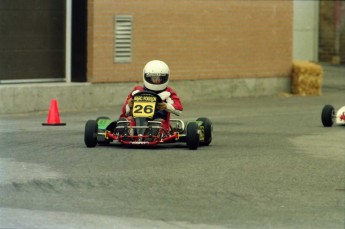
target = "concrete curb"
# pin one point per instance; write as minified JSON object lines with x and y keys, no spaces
{"x":23,"y":98}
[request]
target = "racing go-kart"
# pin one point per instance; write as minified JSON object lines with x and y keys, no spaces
{"x":146,"y":130}
{"x":329,"y":116}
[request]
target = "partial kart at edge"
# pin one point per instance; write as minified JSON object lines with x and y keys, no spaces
{"x":331,"y":116}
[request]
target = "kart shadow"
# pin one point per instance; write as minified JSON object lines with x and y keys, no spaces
{"x":165,"y":146}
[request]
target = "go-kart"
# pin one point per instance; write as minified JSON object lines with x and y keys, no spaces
{"x":329,"y":116}
{"x":146,"y":130}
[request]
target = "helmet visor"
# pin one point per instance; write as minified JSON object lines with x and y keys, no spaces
{"x":154,"y":78}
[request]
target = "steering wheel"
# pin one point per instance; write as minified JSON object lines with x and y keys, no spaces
{"x":159,"y":99}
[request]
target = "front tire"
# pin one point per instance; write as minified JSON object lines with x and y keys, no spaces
{"x":90,"y":134}
{"x":192,"y":137}
{"x":327,"y":115}
{"x":208,"y":128}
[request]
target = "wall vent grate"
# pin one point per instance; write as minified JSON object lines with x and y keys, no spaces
{"x":123,"y":39}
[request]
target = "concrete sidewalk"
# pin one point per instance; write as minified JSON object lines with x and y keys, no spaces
{"x":23,"y":98}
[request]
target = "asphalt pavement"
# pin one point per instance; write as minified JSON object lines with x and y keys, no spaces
{"x":271,"y":164}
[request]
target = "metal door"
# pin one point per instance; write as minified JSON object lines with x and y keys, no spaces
{"x":32,"y":40}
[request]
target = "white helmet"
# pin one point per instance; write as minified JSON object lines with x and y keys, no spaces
{"x":156,"y":75}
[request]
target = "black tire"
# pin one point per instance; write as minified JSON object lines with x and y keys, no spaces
{"x":208,"y":128}
{"x":327,"y":115}
{"x":102,"y":141}
{"x":192,"y":137}
{"x":90,"y":134}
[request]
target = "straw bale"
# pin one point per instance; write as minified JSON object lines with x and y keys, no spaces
{"x":306,"y":78}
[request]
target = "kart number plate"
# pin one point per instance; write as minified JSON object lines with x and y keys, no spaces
{"x":144,"y":106}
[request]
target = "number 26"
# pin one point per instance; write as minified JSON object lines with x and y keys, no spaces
{"x":139,"y":109}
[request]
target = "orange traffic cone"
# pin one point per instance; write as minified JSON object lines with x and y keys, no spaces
{"x":53,"y":115}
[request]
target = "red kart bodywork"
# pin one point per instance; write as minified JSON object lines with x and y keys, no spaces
{"x":164,"y":135}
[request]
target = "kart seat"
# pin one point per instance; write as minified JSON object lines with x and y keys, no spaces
{"x":177,"y":125}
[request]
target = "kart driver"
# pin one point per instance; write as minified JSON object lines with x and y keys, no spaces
{"x":156,"y":78}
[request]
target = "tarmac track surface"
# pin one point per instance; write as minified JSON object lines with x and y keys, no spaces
{"x":271,"y":165}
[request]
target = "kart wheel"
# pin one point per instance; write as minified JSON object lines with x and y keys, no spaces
{"x":327,"y":115}
{"x":208,"y":128}
{"x":101,"y":140}
{"x":192,"y":137}
{"x":90,"y":134}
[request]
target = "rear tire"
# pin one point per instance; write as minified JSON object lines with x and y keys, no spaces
{"x":208,"y":128}
{"x":327,"y":115}
{"x":90,"y":134}
{"x":192,"y":137}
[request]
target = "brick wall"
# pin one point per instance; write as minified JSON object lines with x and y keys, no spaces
{"x":332,"y":19}
{"x":199,"y":39}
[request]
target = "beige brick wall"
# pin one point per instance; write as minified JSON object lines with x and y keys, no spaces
{"x":199,"y":39}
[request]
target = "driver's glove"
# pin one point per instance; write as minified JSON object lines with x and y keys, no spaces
{"x":130,"y":102}
{"x":161,"y":106}
{"x":129,"y":107}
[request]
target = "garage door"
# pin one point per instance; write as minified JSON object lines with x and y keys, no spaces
{"x":32,"y":40}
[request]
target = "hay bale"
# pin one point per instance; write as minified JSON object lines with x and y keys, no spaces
{"x":306,"y":78}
